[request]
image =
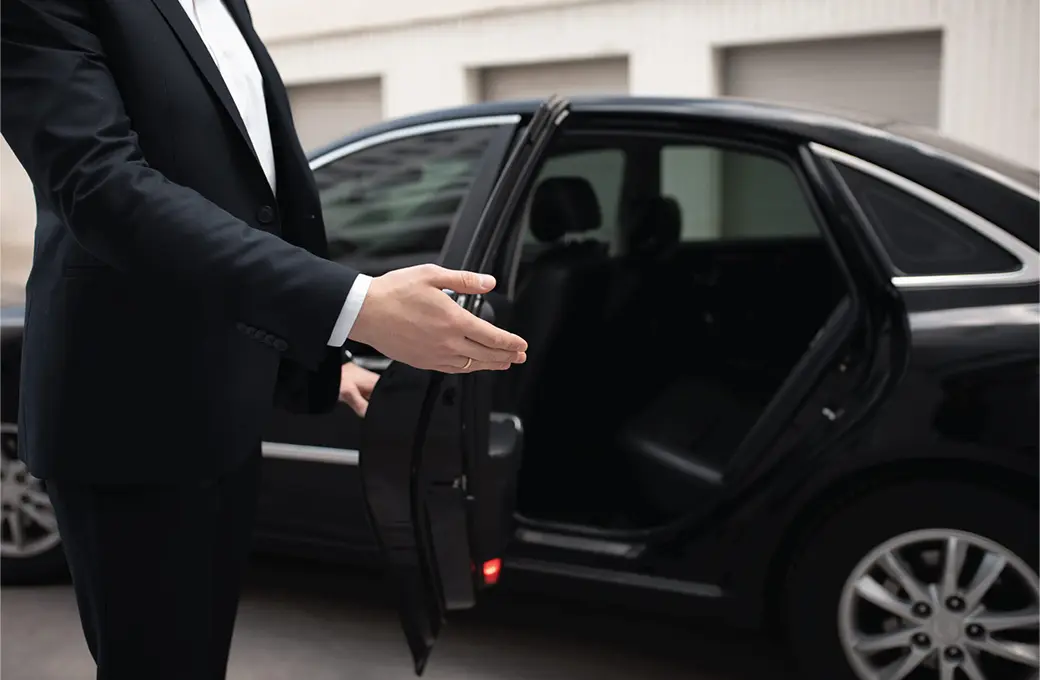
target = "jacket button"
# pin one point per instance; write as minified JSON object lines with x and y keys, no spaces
{"x":265,"y":214}
{"x":281,"y":345}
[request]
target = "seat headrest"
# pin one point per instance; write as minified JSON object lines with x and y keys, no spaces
{"x":563,"y":205}
{"x":654,"y":225}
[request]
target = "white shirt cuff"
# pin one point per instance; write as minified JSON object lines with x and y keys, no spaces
{"x":351,"y":307}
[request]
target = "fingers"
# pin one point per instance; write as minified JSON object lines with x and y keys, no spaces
{"x":473,"y":366}
{"x":491,"y":336}
{"x":479,"y":352}
{"x":462,"y":282}
{"x":352,"y":398}
{"x":355,"y":387}
{"x":464,"y":364}
{"x":476,"y":329}
{"x":366,"y":384}
{"x":362,"y":379}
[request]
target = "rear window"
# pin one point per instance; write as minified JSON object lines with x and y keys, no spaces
{"x":922,"y":240}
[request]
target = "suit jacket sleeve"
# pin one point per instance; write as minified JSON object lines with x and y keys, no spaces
{"x":63,"y":117}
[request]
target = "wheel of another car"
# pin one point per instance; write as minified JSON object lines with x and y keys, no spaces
{"x":30,"y":548}
{"x":920,"y":580}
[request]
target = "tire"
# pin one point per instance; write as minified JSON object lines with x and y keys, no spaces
{"x":42,"y":559}
{"x":814,"y":610}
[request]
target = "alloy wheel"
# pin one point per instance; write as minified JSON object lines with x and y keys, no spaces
{"x":27,"y":523}
{"x":942,"y":604}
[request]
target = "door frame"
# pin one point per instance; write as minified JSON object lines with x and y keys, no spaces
{"x":427,"y":474}
{"x":870,"y":293}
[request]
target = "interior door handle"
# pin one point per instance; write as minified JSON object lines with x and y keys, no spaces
{"x":376,"y":364}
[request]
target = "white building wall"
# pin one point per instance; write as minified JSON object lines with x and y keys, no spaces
{"x":990,"y":93}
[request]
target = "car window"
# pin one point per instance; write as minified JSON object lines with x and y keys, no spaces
{"x":922,"y":240}
{"x":604,"y":170}
{"x":392,"y":205}
{"x":731,"y":195}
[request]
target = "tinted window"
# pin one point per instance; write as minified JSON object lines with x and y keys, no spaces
{"x":922,"y":240}
{"x":603,"y":170}
{"x":392,"y":205}
{"x":727,"y":195}
{"x":714,"y":194}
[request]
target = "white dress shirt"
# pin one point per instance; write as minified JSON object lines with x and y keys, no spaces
{"x":238,"y":68}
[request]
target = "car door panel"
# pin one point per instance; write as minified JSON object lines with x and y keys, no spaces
{"x":304,"y":458}
{"x":439,"y":503}
{"x":311,"y":488}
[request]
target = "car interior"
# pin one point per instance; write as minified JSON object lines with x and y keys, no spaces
{"x":666,"y":287}
{"x":654,"y":348}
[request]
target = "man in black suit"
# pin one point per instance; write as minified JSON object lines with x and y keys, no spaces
{"x":180,"y":285}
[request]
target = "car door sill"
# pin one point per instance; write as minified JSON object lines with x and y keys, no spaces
{"x":613,"y":577}
{"x":580,"y":544}
{"x":597,"y":533}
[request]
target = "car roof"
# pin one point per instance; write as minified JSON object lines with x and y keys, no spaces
{"x":997,"y":189}
{"x":821,"y":124}
{"x":716,"y":107}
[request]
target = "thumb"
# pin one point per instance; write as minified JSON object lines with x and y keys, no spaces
{"x":462,"y":282}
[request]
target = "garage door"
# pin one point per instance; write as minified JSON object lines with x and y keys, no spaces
{"x":894,"y":76}
{"x":566,"y":78}
{"x":325,"y":112}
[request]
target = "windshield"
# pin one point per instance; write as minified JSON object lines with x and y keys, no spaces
{"x":1002,"y":166}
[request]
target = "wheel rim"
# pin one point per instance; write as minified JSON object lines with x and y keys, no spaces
{"x":27,"y":523}
{"x":941,"y":603}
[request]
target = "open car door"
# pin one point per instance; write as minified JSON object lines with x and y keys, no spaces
{"x":438,"y":475}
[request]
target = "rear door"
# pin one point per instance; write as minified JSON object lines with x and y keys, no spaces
{"x":439,"y":496}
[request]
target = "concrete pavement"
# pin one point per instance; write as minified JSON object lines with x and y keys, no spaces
{"x":299,"y":620}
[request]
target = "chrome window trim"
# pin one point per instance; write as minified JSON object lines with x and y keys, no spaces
{"x":310,"y":454}
{"x":997,"y":316}
{"x":412,"y":131}
{"x":1029,"y":259}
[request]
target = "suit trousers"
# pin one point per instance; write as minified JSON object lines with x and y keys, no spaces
{"x":158,"y":570}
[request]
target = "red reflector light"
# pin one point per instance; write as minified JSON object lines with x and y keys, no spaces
{"x":492,"y":569}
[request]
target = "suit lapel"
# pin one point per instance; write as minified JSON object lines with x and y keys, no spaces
{"x":196,"y":49}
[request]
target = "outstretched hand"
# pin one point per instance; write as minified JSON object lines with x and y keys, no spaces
{"x":407,"y":317}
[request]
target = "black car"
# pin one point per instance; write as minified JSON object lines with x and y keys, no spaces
{"x":783,"y":371}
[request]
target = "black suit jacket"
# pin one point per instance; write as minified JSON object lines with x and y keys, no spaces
{"x":173,"y":296}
